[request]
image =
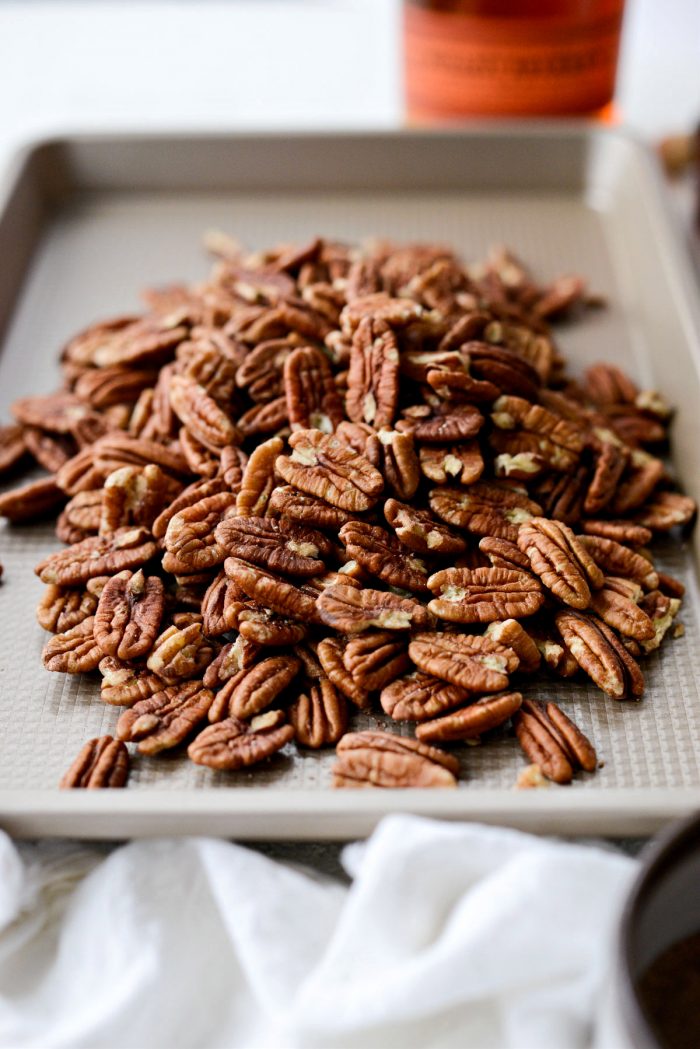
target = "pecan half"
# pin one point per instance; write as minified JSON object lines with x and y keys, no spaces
{"x":558,"y":442}
{"x":123,"y":685}
{"x":115,"y":450}
{"x":267,"y":628}
{"x":393,"y":453}
{"x":326,"y":467}
{"x":31,"y":501}
{"x":181,"y":653}
{"x":319,"y":715}
{"x":662,"y":610}
{"x":270,"y":591}
{"x":221,"y":605}
{"x":74,"y":651}
{"x":643,"y":474}
{"x":128,"y":615}
{"x":258,"y":479}
{"x":667,"y":510}
{"x":448,"y":464}
{"x":475,"y":663}
{"x":560,"y":560}
{"x":418,"y":530}
{"x":50,"y":450}
{"x":330,"y":654}
{"x":484,"y":509}
{"x":457,"y":424}
{"x":57,"y":412}
{"x":472,"y":721}
{"x":313,"y":401}
{"x":513,"y":635}
{"x":553,"y":742}
{"x":375,"y":659}
{"x":382,"y":555}
{"x":235,"y":656}
{"x":483,"y":595}
{"x":60,"y":610}
{"x":418,"y":697}
{"x":373,"y":379}
{"x":191,"y":538}
{"x":165,"y":719}
{"x":504,"y":554}
{"x":255,"y":688}
{"x":234,"y":744}
{"x":378,"y":759}
{"x":135,"y":496}
{"x":622,"y":614}
{"x":12,"y":447}
{"x":280,"y":545}
{"x":598,"y":652}
{"x":621,"y":531}
{"x":96,"y":556}
{"x":318,"y":513}
{"x":618,"y":560}
{"x":352,"y":611}
{"x":103,"y":762}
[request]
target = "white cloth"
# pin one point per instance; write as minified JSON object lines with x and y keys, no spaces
{"x":450,"y":935}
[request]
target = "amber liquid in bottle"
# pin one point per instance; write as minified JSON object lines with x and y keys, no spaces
{"x":509,"y":57}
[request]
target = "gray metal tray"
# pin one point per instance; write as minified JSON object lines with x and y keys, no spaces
{"x":86,"y":222}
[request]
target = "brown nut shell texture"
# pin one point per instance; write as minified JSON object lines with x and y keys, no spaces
{"x":483,"y":595}
{"x":234,"y":744}
{"x":326,"y":467}
{"x":128,"y":614}
{"x":102,"y":763}
{"x":379,"y":759}
{"x":562,"y":562}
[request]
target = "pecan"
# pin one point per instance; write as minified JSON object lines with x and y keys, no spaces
{"x":562,"y":495}
{"x":551,"y":740}
{"x":264,"y":418}
{"x":102,"y":387}
{"x":252,"y":689}
{"x":558,"y":442}
{"x":235,"y":744}
{"x":323,"y":466}
{"x":307,"y":508}
{"x":60,"y":610}
{"x":214,"y":371}
{"x":181,"y":653}
{"x":393,"y":454}
{"x":418,"y":696}
{"x":191,"y":538}
{"x":458,"y":424}
{"x":502,"y":368}
{"x":200,"y":460}
{"x":79,"y":473}
{"x":122,"y":685}
{"x":31,"y":501}
{"x":397,"y":313}
{"x":261,"y":372}
{"x":607,"y":384}
{"x":330,"y":655}
{"x":504,"y":554}
{"x":145,"y":342}
{"x":599,"y":653}
{"x":352,"y":611}
{"x":135,"y":496}
{"x":57,"y":413}
{"x":618,"y":560}
{"x":221,"y":605}
{"x":201,"y":489}
{"x":280,"y":545}
{"x":102,"y":762}
{"x":232,"y":465}
{"x":622,"y":614}
{"x":378,"y":759}
{"x":626,"y":532}
{"x":662,"y":610}
{"x":670,"y":586}
{"x":270,"y":591}
{"x":419,"y":531}
{"x":96,"y":556}
{"x":472,"y":721}
{"x":269,"y":629}
{"x":120,"y":449}
{"x":611,"y":458}
{"x":382,"y":555}
{"x":74,"y":651}
{"x":128,"y":615}
{"x":313,"y":401}
{"x":373,"y":379}
{"x":484,"y":509}
{"x":666,"y":510}
{"x":165,"y":719}
{"x":234,"y":657}
{"x":475,"y":663}
{"x":643,"y":474}
{"x":319,"y":715}
{"x":374,"y":660}
{"x":483,"y":595}
{"x":560,"y":560}
{"x":81,"y":514}
{"x":447,"y":464}
{"x":258,"y":481}
{"x":512,"y":634}
{"x":50,"y":450}
{"x":12,"y":447}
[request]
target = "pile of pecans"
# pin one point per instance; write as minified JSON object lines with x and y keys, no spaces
{"x":329,"y":478}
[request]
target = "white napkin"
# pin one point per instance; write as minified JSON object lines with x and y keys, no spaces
{"x":450,"y":935}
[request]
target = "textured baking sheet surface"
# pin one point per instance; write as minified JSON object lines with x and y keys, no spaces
{"x":93,"y":260}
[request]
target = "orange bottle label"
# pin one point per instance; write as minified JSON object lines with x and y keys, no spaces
{"x":467,"y":65}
